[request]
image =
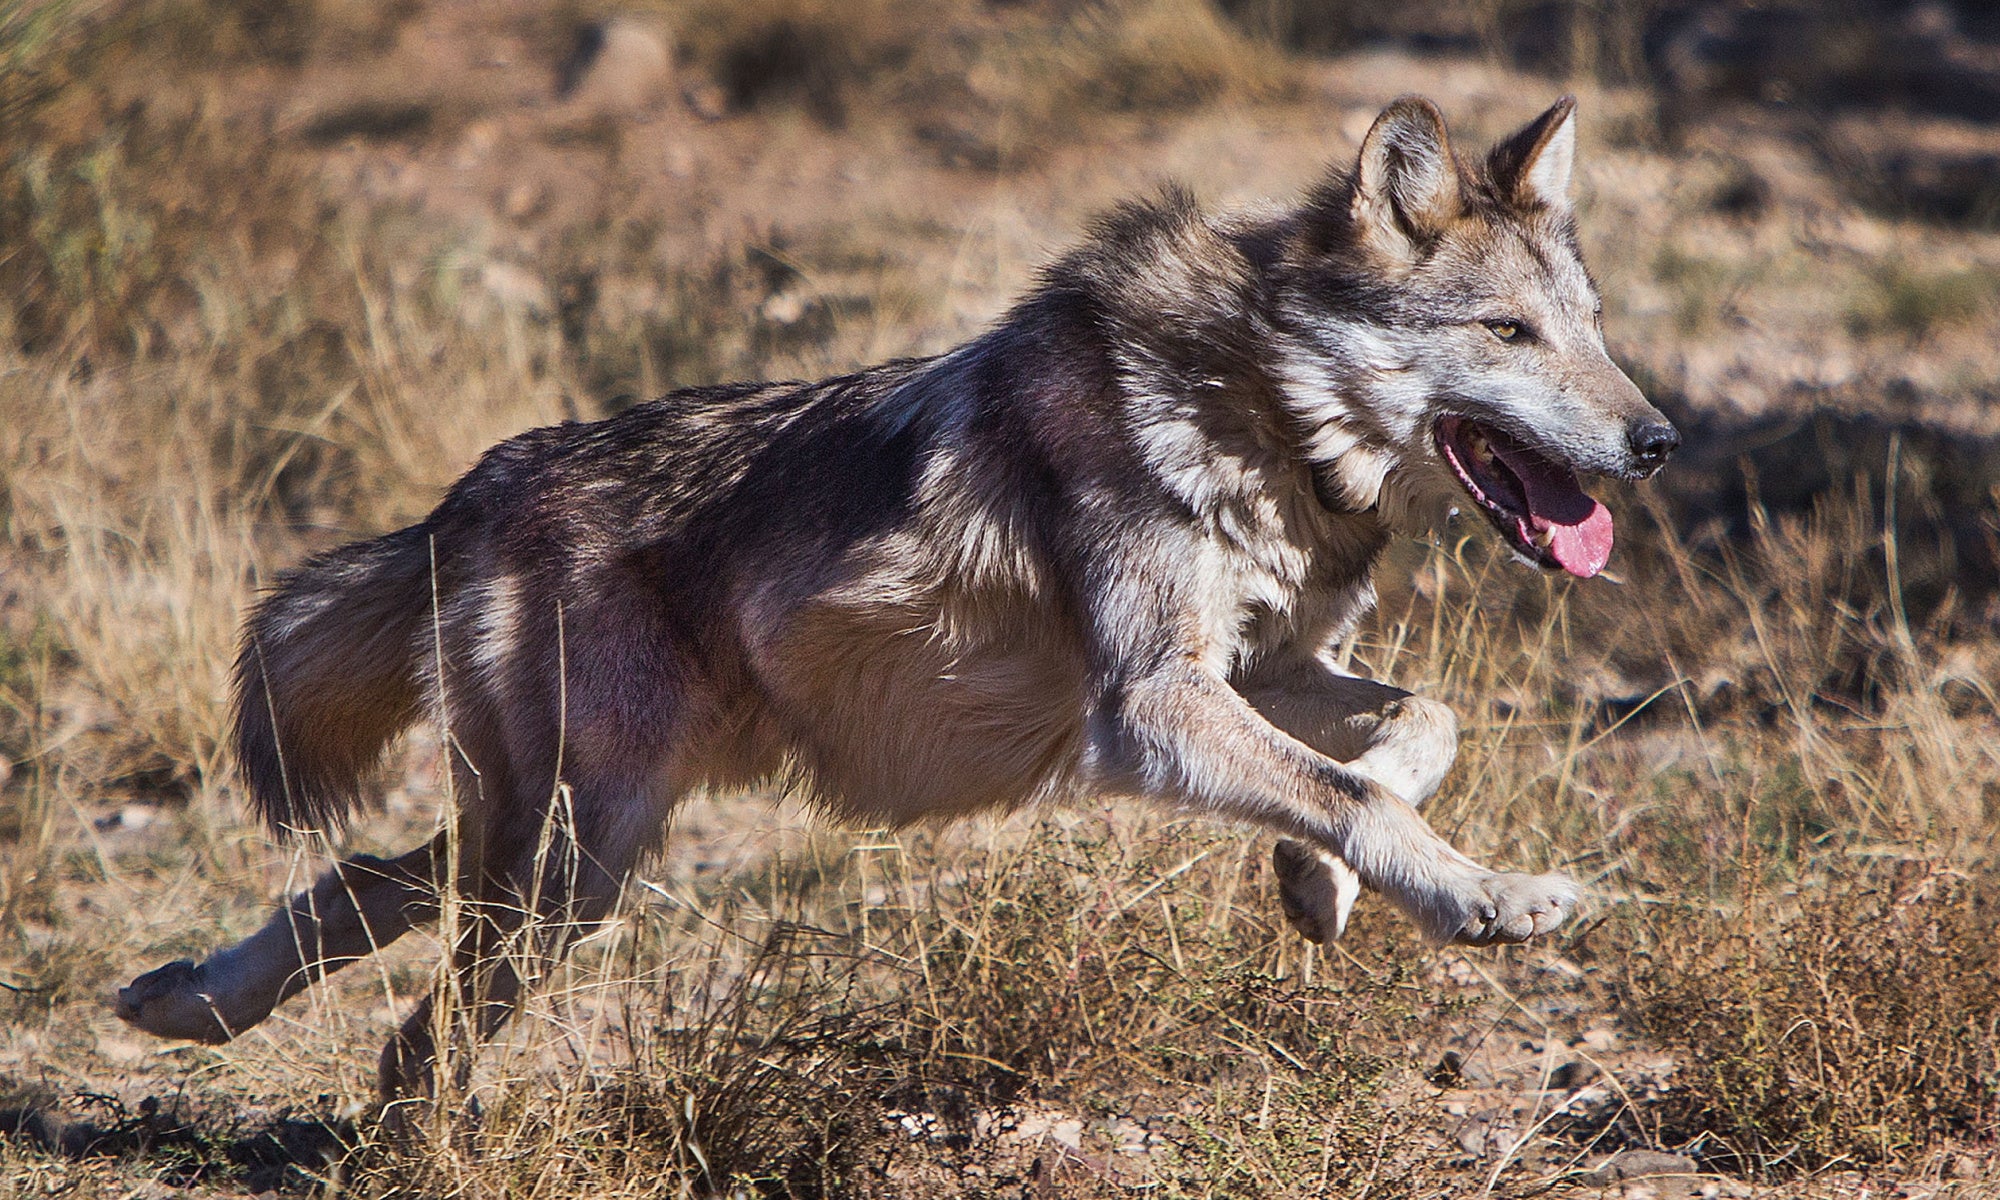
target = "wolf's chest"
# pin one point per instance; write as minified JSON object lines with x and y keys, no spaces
{"x":1277,"y":594}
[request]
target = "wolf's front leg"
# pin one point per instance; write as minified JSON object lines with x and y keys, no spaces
{"x":1399,"y":740}
{"x":358,"y":907}
{"x":1186,"y":736}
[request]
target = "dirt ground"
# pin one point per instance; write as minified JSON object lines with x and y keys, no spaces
{"x":309,"y":269}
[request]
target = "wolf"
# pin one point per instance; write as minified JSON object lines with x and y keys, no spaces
{"x":1106,"y":547}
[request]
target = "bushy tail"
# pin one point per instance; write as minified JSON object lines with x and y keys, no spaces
{"x":327,"y":674}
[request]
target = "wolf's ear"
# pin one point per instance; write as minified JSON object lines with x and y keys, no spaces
{"x":1407,"y":185}
{"x":1532,"y":168}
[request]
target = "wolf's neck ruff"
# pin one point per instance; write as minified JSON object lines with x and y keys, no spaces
{"x":1349,"y":385}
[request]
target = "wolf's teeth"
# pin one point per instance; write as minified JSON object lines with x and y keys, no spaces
{"x":1545,"y":538}
{"x":1482,"y":450}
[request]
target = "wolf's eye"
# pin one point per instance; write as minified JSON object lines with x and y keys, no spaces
{"x":1506,"y":331}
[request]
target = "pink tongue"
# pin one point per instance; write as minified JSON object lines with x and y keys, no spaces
{"x":1579,"y":527}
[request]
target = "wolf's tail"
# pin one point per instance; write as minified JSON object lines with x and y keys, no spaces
{"x":327,"y":674}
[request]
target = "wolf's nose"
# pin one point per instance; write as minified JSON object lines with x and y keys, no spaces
{"x":1652,"y":442}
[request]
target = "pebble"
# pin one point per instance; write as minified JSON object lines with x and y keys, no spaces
{"x":626,"y":66}
{"x":1053,"y":1124}
{"x":1129,"y":1137}
{"x":1572,"y":1075}
{"x":129,"y":818}
{"x":1637,"y":1164}
{"x":707,"y":101}
{"x":515,"y":287}
{"x":522,"y":201}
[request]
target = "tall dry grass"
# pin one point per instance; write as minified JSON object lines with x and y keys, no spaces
{"x":1777,"y":782}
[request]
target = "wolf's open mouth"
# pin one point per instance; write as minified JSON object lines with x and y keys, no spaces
{"x":1532,"y":499}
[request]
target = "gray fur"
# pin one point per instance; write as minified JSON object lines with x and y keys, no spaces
{"x":1107,"y":546}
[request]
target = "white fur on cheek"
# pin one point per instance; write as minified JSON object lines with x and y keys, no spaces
{"x":1367,"y":409}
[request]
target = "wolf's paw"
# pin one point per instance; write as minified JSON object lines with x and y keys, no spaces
{"x":1316,"y":890}
{"x":172,"y":1003}
{"x":1514,"y":907}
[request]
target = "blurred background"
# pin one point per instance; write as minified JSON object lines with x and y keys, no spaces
{"x":273,"y":273}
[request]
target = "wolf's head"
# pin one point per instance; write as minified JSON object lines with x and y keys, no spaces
{"x":1444,"y":341}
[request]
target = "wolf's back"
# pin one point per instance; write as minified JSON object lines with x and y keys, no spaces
{"x":327,"y":674}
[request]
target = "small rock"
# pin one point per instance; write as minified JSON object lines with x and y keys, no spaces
{"x":1572,"y":1075}
{"x":1591,"y":1099}
{"x":6,"y":770}
{"x":1051,"y":1124}
{"x":1129,"y":1137}
{"x":1561,"y":969}
{"x":706,"y":100}
{"x":1600,"y":1040}
{"x":1471,"y":1136}
{"x":1637,"y":1164}
{"x":620,"y":66}
{"x":910,"y":1125}
{"x":522,"y":201}
{"x":515,"y":287}
{"x":478,"y":142}
{"x":784,"y":308}
{"x":129,"y":817}
{"x":1965,"y":1166}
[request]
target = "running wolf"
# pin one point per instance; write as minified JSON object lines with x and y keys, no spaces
{"x":1104,"y":547}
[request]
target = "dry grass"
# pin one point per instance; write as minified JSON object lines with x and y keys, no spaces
{"x":1915,"y":301}
{"x":1860,"y":1028}
{"x":847,"y":1024}
{"x":1776,"y":776}
{"x":987,"y":86}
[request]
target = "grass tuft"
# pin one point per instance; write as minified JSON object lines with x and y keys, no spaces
{"x":1915,"y":302}
{"x":1862,"y":1025}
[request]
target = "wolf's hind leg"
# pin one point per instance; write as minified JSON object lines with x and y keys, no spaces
{"x":353,"y":910}
{"x":499,"y":951}
{"x":482,"y":982}
{"x":1316,"y":890}
{"x":514,"y":926}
